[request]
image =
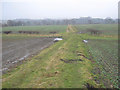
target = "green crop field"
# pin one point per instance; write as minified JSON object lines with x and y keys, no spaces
{"x":71,"y":63}
{"x":42,"y":29}
{"x":104,"y":49}
{"x":106,"y":29}
{"x":105,"y":53}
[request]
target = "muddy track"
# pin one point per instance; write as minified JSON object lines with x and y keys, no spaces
{"x":71,"y":60}
{"x":15,"y":51}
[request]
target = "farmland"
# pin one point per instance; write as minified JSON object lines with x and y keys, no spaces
{"x":16,"y":50}
{"x":104,"y":49}
{"x":69,"y":63}
{"x":42,"y":29}
{"x":106,"y":29}
{"x":105,"y":55}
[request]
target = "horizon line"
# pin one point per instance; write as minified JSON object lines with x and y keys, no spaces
{"x":61,"y":18}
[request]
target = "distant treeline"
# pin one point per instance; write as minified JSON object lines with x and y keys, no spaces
{"x":82,"y":20}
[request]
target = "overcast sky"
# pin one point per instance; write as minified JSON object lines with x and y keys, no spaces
{"x":58,"y":9}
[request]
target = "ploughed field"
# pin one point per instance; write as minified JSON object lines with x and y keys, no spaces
{"x":15,"y":50}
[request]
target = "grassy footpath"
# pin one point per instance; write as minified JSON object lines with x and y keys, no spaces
{"x":47,"y":70}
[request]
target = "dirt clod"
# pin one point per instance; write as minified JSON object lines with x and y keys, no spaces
{"x":88,"y":86}
{"x":71,"y":60}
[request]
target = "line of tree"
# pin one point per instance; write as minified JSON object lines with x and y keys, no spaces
{"x":82,"y":20}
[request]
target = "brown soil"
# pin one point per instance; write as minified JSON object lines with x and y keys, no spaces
{"x":17,"y":50}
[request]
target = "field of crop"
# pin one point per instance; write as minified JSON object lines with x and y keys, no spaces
{"x":106,"y":29}
{"x":42,"y":29}
{"x":104,"y":49}
{"x":70,"y":63}
{"x":106,"y":56}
